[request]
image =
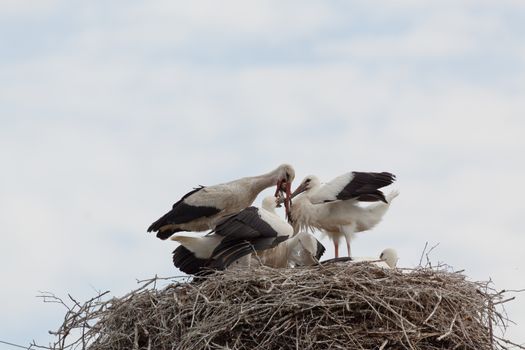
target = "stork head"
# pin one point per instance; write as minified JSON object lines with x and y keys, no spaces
{"x":309,"y":182}
{"x":285,"y":176}
{"x":270,"y":203}
{"x":389,"y":256}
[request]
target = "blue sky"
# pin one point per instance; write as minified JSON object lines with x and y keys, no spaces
{"x":111,"y":111}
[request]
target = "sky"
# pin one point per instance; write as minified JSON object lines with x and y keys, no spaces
{"x":111,"y":111}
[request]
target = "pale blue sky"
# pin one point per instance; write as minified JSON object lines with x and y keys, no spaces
{"x":110,"y":111}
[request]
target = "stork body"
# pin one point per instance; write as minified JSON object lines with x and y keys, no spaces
{"x":360,"y":219}
{"x":387,"y":259}
{"x":303,"y":249}
{"x":251,"y":230}
{"x":334,"y":208}
{"x":202,"y":208}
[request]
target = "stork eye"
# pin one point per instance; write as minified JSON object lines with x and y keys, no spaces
{"x":307,"y":180}
{"x":287,"y":177}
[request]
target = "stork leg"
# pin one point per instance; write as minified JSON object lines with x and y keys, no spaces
{"x":336,"y":248}
{"x":348,"y":232}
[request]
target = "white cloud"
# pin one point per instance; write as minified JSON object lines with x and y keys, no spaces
{"x":439,"y":33}
{"x":10,"y":8}
{"x":100,"y":137}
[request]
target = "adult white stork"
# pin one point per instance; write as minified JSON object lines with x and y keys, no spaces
{"x":334,"y":207}
{"x":202,"y":208}
{"x":365,"y":218}
{"x":302,"y":249}
{"x":251,"y":230}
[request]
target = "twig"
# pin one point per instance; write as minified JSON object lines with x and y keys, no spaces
{"x":13,"y":344}
{"x":440,"y":338}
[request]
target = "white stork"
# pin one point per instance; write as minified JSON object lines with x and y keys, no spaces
{"x":251,"y":230}
{"x":302,"y":249}
{"x":202,"y":208}
{"x":334,"y":207}
{"x":388,"y":259}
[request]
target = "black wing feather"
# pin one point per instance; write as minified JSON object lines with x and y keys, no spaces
{"x":243,"y":234}
{"x":229,"y":254}
{"x":187,"y":262}
{"x":245,"y":225}
{"x":320,"y":251}
{"x":365,"y":186}
{"x":181,"y":213}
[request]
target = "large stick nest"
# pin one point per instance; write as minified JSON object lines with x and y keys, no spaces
{"x":330,"y":306}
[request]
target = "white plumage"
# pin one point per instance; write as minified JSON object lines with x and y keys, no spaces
{"x":387,"y":259}
{"x":202,"y":208}
{"x":303,"y":249}
{"x":334,"y":208}
{"x":251,"y":230}
{"x":360,"y":218}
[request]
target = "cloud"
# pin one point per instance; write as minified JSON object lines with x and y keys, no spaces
{"x":103,"y":133}
{"x":11,"y":8}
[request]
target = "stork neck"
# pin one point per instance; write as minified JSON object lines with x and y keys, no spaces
{"x":262,"y":182}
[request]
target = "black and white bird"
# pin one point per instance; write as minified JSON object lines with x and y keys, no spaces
{"x":235,"y":237}
{"x":334,"y":207}
{"x":387,"y":259}
{"x":202,"y":208}
{"x":303,"y":249}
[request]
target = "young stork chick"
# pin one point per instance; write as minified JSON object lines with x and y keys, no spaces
{"x":302,"y":249}
{"x":202,"y":208}
{"x":389,"y":256}
{"x":387,"y":259}
{"x":251,"y":230}
{"x":334,"y":208}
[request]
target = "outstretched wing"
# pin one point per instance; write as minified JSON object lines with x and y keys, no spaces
{"x":362,"y":186}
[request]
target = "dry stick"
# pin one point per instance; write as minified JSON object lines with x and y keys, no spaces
{"x":435,"y":308}
{"x":328,"y":310}
{"x":509,"y":342}
{"x":422,"y":254}
{"x":15,"y":345}
{"x":503,"y":301}
{"x":449,"y":330}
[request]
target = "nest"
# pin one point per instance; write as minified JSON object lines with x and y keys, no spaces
{"x":330,"y":306}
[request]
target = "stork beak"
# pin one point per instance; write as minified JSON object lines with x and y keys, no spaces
{"x":298,"y":190}
{"x":278,"y":188}
{"x":288,"y":199}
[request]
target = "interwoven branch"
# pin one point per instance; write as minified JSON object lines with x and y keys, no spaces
{"x":336,"y":306}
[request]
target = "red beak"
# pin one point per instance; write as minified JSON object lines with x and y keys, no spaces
{"x":278,"y":188}
{"x":288,"y":199}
